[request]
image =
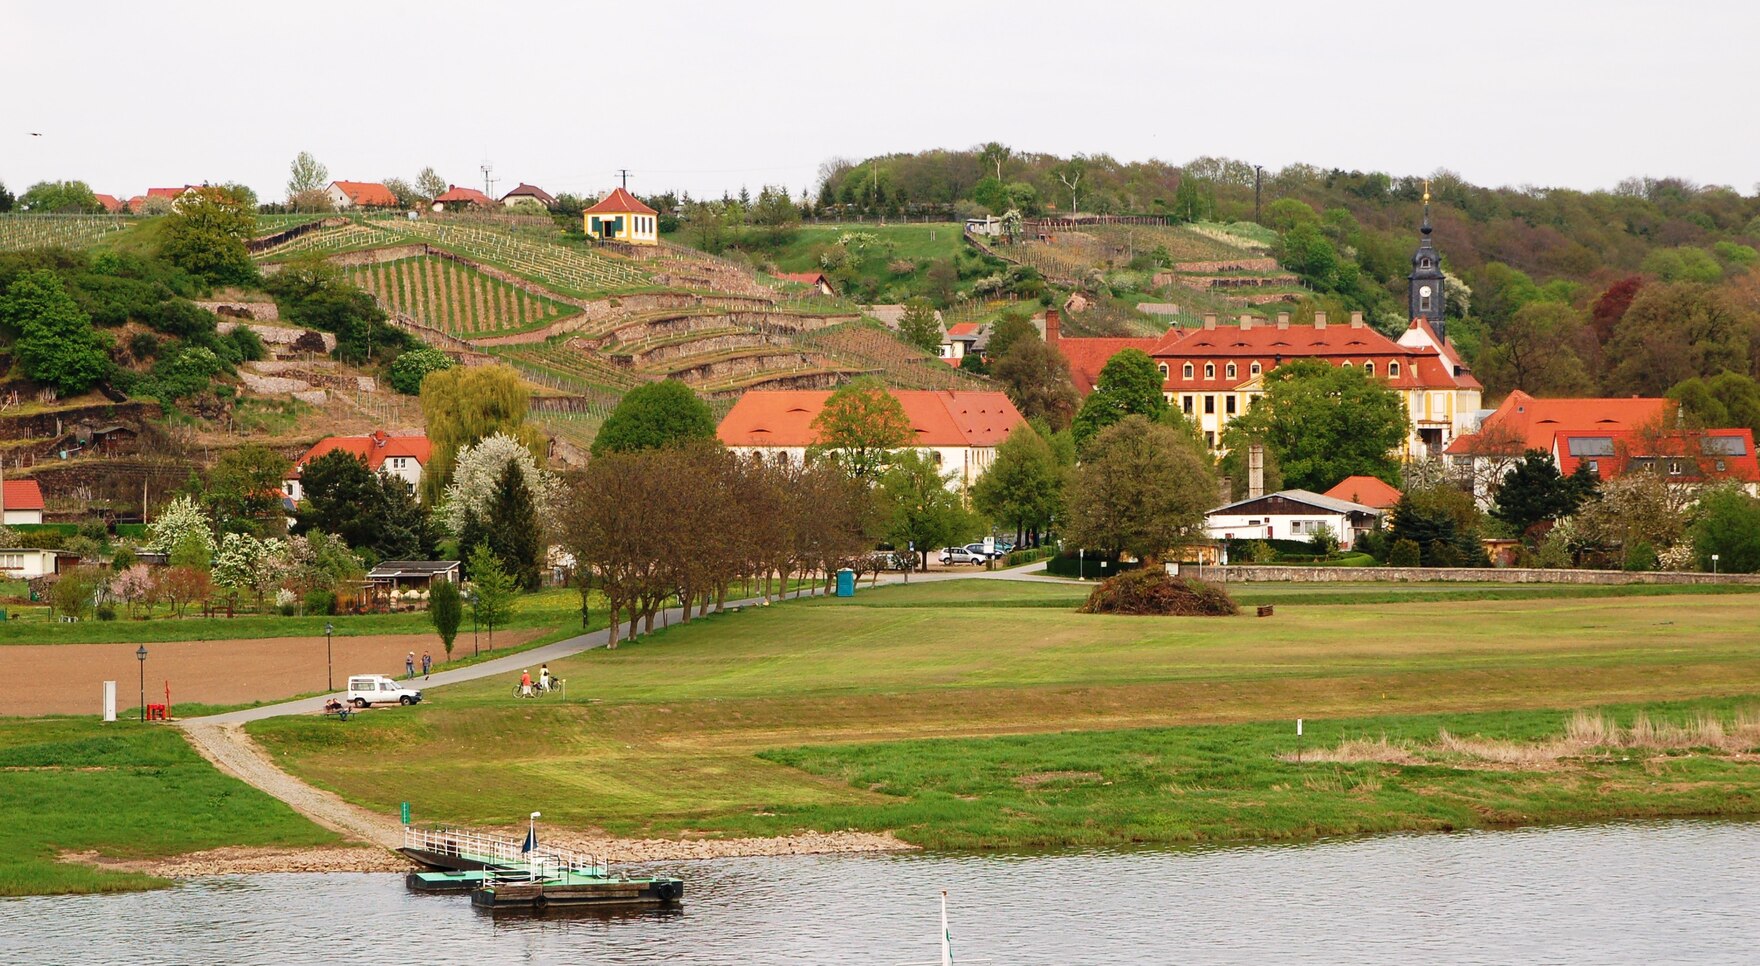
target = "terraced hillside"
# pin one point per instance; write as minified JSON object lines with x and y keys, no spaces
{"x":331,"y":240}
{"x":567,"y":269}
{"x":20,"y":231}
{"x":455,"y":298}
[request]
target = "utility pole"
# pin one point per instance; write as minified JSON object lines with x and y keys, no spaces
{"x":623,"y":173}
{"x":488,"y":182}
{"x":1258,"y":170}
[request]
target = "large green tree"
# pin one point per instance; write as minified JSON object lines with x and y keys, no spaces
{"x":306,"y":174}
{"x":653,"y":415}
{"x":369,"y":511}
{"x":467,"y":404}
{"x":314,"y":294}
{"x":1130,"y":384}
{"x":52,"y":338}
{"x":1443,"y":522}
{"x":493,"y":591}
{"x":411,"y":367}
{"x":1024,"y":486}
{"x":1676,"y":331}
{"x":861,"y":427}
{"x":1325,"y":423}
{"x":1036,"y":377}
{"x":511,"y":529}
{"x":60,"y":197}
{"x":1726,"y":400}
{"x":919,"y":326}
{"x":1727,"y":523}
{"x":1142,"y":488}
{"x":1534,"y":491}
{"x":205,"y":235}
{"x":919,"y":510}
{"x":244,"y":490}
{"x":446,"y":610}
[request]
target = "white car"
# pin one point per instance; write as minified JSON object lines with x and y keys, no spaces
{"x":959,"y":555}
{"x":369,"y":689}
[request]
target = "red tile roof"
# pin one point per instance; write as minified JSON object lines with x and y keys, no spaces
{"x":1730,"y":456}
{"x":367,"y":194}
{"x":805,"y":278}
{"x":110,"y":203}
{"x":1088,"y":356}
{"x":375,"y":449}
{"x":171,"y":193}
{"x":1367,"y":490}
{"x":23,"y":495}
{"x":1530,"y":423}
{"x":620,"y":202}
{"x":530,"y":191}
{"x":965,"y":328}
{"x":937,"y":418}
{"x":456,"y":195}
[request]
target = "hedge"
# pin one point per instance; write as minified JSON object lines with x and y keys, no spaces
{"x":1088,"y":566}
{"x":1015,"y":558}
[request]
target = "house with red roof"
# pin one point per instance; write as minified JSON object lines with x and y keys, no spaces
{"x":958,"y":430}
{"x":1371,"y":491}
{"x":111,"y":203}
{"x":400,"y":456}
{"x":21,"y":501}
{"x":360,"y":194}
{"x":1609,"y":436}
{"x":620,"y":217}
{"x":1214,"y":373}
{"x":455,"y":198}
{"x":813,"y":280}
{"x":529,"y":195}
{"x":960,"y":340}
{"x":139,"y":204}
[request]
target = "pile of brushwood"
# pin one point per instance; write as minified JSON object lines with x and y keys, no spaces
{"x":1154,"y":591}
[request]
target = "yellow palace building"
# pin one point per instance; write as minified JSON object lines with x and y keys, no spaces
{"x":621,"y":218}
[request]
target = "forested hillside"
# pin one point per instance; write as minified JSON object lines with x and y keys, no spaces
{"x":1554,"y":290}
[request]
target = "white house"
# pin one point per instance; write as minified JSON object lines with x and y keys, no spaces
{"x":958,"y":430}
{"x":1290,"y":515}
{"x":21,"y":501}
{"x":29,"y":563}
{"x":401,"y":456}
{"x":360,"y":194}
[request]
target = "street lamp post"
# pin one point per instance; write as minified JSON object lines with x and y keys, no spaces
{"x":1714,"y":564}
{"x":141,"y":655}
{"x":471,"y":598}
{"x":329,"y":660}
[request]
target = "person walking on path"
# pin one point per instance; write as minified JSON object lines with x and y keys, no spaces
{"x":427,"y":665}
{"x":409,"y":665}
{"x":544,"y":677}
{"x":525,"y":683}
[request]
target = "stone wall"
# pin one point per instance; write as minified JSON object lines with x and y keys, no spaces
{"x":1510,"y":575}
{"x":259,"y":311}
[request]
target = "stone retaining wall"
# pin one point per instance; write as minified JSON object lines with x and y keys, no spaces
{"x":1229,"y":265}
{"x":258,"y":311}
{"x":1509,"y":575}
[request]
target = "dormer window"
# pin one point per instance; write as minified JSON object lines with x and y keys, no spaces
{"x":1347,"y":364}
{"x":1392,"y":369}
{"x":1162,"y":368}
{"x":1232,"y":371}
{"x":1255,"y":369}
{"x":1369,"y":367}
{"x":1209,"y":370}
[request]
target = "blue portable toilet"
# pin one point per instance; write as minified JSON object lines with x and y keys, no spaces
{"x":846,"y":583}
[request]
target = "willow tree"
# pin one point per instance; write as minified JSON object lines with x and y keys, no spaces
{"x":467,"y":404}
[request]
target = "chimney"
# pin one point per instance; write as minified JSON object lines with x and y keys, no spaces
{"x":1255,"y":471}
{"x":1283,"y":320}
{"x":1246,"y":323}
{"x":1356,"y":320}
{"x":1319,"y":320}
{"x":1209,"y":323}
{"x":1052,"y":333}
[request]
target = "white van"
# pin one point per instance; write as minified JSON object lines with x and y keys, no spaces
{"x":370,"y":689}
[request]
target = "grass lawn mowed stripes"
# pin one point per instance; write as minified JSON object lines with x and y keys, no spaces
{"x":126,"y":791}
{"x":810,"y":714}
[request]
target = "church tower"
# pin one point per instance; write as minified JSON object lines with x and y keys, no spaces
{"x":1426,"y":278}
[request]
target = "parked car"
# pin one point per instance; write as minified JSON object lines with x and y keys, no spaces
{"x":978,"y":549}
{"x":370,"y":689}
{"x":953,"y":555}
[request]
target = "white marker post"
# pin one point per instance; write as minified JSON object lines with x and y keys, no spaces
{"x":1298,"y":741}
{"x":109,"y":700}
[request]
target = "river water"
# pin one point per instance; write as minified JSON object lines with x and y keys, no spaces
{"x":1662,"y":892}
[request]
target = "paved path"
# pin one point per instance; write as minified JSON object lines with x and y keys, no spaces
{"x":221,"y":738}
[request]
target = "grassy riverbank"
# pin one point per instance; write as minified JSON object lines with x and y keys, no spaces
{"x":985,"y":725}
{"x":123,"y":790}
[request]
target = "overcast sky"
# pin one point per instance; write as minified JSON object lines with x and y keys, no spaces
{"x":708,"y":96}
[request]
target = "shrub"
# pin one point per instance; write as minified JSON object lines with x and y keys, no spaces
{"x":320,"y":602}
{"x":1158,"y":593}
{"x":1017,"y":557}
{"x":106,"y":611}
{"x":1404,"y":554}
{"x":1260,"y":552}
{"x":1641,"y":556}
{"x":1323,"y":541}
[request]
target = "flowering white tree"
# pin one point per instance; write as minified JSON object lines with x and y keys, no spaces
{"x":244,"y":563}
{"x":182,"y":524}
{"x":479,"y":469}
